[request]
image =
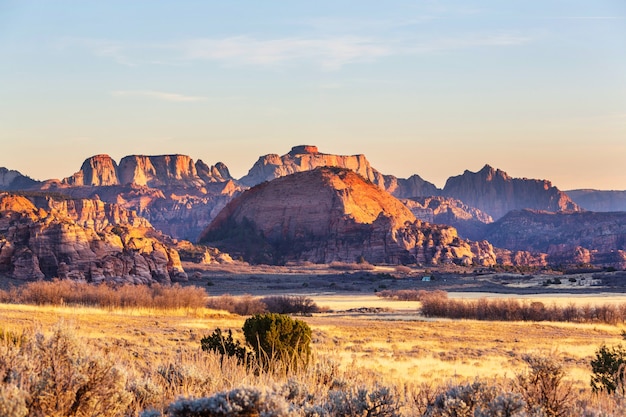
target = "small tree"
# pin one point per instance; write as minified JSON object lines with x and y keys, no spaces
{"x":277,"y":338}
{"x":608,"y":369}
{"x":225,"y":346}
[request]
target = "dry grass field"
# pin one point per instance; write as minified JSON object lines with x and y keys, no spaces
{"x":359,"y":338}
{"x":394,"y":343}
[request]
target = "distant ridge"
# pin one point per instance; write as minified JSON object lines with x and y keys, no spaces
{"x":496,"y":193}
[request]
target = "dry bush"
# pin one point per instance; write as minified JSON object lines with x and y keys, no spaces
{"x":243,"y":305}
{"x":67,"y":292}
{"x":544,"y":387}
{"x":290,"y":304}
{"x":57,"y":377}
{"x":437,"y":304}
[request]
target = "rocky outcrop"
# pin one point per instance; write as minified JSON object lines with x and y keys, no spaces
{"x":333,"y":214}
{"x":84,"y":240}
{"x":566,"y":238}
{"x":305,"y":158}
{"x":599,"y":200}
{"x":11,"y":180}
{"x":494,"y":192}
{"x":469,"y":221}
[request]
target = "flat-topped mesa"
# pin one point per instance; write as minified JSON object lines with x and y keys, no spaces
{"x":157,"y":170}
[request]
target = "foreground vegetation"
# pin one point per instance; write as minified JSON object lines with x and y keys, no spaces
{"x":164,"y":358}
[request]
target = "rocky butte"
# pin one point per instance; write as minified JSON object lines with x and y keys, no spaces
{"x":334,"y":214}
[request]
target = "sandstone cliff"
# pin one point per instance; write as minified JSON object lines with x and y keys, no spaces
{"x":304,"y":158}
{"x":83,"y":240}
{"x":494,"y":192}
{"x":333,"y":214}
{"x":567,"y":238}
{"x":599,"y":200}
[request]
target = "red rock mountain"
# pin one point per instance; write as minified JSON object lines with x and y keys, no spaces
{"x":83,"y":240}
{"x":494,"y":192}
{"x":305,"y":157}
{"x":333,"y":214}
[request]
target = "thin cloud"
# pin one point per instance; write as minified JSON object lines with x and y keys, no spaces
{"x":158,"y":95}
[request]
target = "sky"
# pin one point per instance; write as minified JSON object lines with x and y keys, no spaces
{"x":536,"y":88}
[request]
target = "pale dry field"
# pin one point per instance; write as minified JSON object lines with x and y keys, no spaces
{"x":395,"y":345}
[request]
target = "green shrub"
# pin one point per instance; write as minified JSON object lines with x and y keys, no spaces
{"x":278,"y":339}
{"x":608,"y":369}
{"x":225,"y":346}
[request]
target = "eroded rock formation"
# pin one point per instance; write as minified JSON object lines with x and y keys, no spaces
{"x":83,"y":240}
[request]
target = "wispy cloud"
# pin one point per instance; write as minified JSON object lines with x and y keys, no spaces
{"x":328,"y":53}
{"x":158,"y":95}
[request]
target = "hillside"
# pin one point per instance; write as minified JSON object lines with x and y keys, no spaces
{"x":333,"y":214}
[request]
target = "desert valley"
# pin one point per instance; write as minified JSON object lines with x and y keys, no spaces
{"x":492,"y":296}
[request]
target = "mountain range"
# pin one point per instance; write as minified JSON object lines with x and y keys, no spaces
{"x":183,"y":199}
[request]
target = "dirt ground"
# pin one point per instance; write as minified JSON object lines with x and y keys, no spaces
{"x":356,"y":279}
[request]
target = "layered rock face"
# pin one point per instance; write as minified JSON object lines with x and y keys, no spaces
{"x":599,"y":200}
{"x":495,"y":193}
{"x":83,"y":240}
{"x":305,"y":158}
{"x":333,"y":214}
{"x":566,"y":238}
{"x":469,"y":221}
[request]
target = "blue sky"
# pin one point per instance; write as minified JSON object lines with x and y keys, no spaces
{"x":536,"y":88}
